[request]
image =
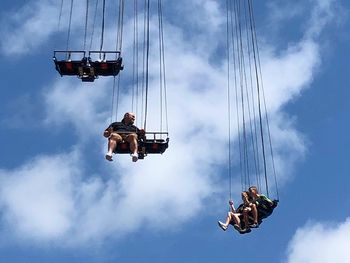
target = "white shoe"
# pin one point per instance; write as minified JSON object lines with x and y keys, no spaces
{"x":222,"y":225}
{"x":134,"y":157}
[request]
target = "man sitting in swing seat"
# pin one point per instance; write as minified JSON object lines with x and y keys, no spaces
{"x":125,"y":130}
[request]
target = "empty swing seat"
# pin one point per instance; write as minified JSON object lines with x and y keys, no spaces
{"x":86,"y":69}
{"x":69,"y":68}
{"x":108,"y":67}
{"x":155,"y":146}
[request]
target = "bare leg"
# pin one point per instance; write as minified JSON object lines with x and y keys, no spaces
{"x":113,"y":140}
{"x":245,"y":216}
{"x":229,"y":218}
{"x":132,"y":139}
{"x":255,"y":213}
{"x":232,"y":217}
{"x":236,"y":219}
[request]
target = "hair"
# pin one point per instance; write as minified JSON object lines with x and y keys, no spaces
{"x":247,"y":194}
{"x":253,"y":187}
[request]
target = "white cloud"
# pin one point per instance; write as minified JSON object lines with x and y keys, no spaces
{"x":36,"y":198}
{"x":324,"y":12}
{"x":172,"y":186}
{"x":84,"y":106}
{"x":49,"y":199}
{"x":320,"y":242}
{"x":289,"y":74}
{"x":287,"y":11}
{"x":26,"y":29}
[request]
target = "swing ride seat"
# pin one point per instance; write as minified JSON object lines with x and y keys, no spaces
{"x":155,"y":146}
{"x":145,"y":146}
{"x":67,"y":67}
{"x":104,"y":66}
{"x":74,"y":67}
{"x":86,"y":69}
{"x":264,"y":210}
{"x":108,"y":67}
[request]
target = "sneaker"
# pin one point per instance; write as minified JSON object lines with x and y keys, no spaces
{"x":109,"y":157}
{"x":244,"y":230}
{"x":254,"y":225}
{"x":222,"y":225}
{"x":134,"y":157}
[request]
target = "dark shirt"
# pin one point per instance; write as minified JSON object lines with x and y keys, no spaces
{"x":122,"y":127}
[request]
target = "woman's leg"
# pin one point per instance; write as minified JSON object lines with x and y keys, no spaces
{"x":235,"y":218}
{"x":245,"y":216}
{"x":255,"y":213}
{"x":229,"y":218}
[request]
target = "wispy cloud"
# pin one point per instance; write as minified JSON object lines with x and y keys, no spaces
{"x":26,"y":29}
{"x":36,"y":198}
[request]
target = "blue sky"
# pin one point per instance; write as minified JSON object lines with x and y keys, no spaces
{"x":61,"y":201}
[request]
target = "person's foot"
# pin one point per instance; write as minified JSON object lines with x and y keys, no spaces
{"x":134,"y":157}
{"x":109,"y":157}
{"x":255,"y":225}
{"x":222,"y":225}
{"x":237,"y":227}
{"x":244,"y":230}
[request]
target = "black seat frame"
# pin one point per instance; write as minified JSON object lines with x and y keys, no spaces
{"x":87,"y":69}
{"x":146,"y":146}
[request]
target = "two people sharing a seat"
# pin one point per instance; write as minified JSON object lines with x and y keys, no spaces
{"x":125,"y":130}
{"x":251,"y":200}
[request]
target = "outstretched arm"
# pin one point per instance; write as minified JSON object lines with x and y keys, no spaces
{"x":233,"y":210}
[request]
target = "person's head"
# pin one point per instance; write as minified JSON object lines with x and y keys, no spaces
{"x":245,"y":196}
{"x":253,"y":190}
{"x":129,"y":118}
